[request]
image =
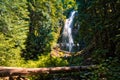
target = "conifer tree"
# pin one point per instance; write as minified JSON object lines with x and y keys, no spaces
{"x":44,"y":21}
{"x":13,"y":30}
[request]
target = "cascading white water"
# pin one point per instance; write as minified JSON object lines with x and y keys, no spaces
{"x":67,"y":39}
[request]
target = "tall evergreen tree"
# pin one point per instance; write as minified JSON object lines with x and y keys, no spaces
{"x":13,"y":30}
{"x":44,"y":21}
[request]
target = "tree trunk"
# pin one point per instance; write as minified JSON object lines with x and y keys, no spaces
{"x":14,"y":71}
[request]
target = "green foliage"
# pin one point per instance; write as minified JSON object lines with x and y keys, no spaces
{"x":46,"y":61}
{"x":99,"y":21}
{"x":68,"y":5}
{"x":13,"y":30}
{"x":100,"y":53}
{"x":44,"y":22}
{"x":30,"y":28}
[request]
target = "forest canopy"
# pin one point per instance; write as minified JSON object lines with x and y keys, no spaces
{"x":30,"y":32}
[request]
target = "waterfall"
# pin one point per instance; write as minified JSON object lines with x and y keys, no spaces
{"x":67,"y":38}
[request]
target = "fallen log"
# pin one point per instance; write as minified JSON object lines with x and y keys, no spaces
{"x":14,"y":71}
{"x":85,"y":50}
{"x":82,"y":52}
